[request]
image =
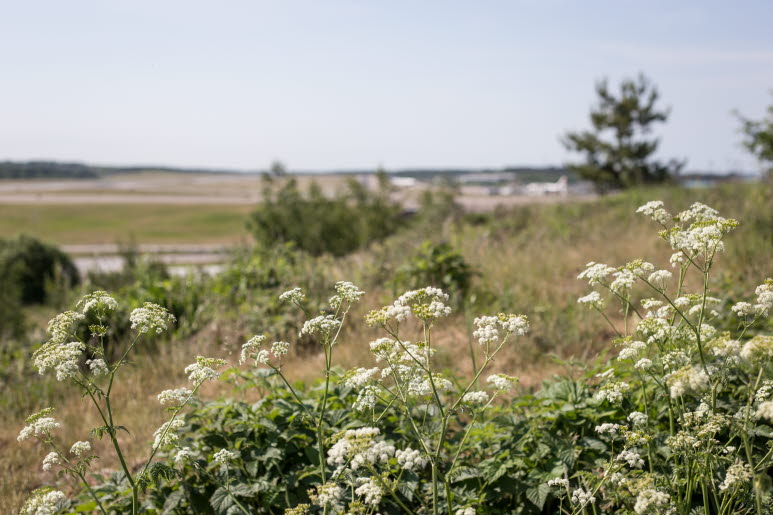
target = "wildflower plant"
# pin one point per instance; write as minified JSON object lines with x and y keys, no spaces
{"x":359,"y":467}
{"x":709,"y":384}
{"x":65,"y":355}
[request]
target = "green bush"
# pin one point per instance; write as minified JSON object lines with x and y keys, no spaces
{"x":318,"y":224}
{"x":32,"y":266}
{"x":439,"y":265}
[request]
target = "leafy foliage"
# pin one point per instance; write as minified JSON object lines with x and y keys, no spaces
{"x":439,"y":265}
{"x":31,"y":266}
{"x":318,"y":224}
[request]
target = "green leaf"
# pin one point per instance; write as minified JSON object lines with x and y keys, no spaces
{"x":538,"y":494}
{"x":221,"y":500}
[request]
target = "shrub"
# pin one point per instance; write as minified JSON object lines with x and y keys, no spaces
{"x":317,"y":224}
{"x":438,"y":264}
{"x":31,"y":266}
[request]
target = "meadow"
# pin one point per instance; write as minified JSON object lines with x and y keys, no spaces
{"x":520,"y":260}
{"x":86,"y":223}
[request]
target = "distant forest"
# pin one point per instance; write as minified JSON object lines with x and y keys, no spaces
{"x":523,"y":174}
{"x":59,"y":170}
{"x":45,"y":170}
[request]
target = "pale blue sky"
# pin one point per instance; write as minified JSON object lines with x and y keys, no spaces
{"x":354,"y":84}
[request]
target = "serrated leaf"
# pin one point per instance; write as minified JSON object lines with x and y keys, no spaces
{"x":538,"y":494}
{"x":221,"y":500}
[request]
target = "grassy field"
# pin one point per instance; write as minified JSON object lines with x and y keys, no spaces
{"x":146,"y":223}
{"x":527,"y":259}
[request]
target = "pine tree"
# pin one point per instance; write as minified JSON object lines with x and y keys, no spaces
{"x":618,"y":152}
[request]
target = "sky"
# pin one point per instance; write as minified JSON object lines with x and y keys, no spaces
{"x":323,"y":85}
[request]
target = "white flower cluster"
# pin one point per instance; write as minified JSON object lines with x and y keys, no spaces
{"x":592,"y":300}
{"x":251,"y":348}
{"x":427,"y":304}
{"x":765,"y":410}
{"x":421,"y":385}
{"x":370,"y":490}
{"x":582,"y":497}
{"x":175,"y":397}
{"x":166,"y":434}
{"x":410,"y":459}
{"x":78,"y":448}
{"x":698,"y":212}
{"x":651,"y":501}
{"x":764,"y":391}
{"x":358,"y":377}
{"x":473,"y":398}
{"x":705,"y":234}
{"x":329,"y":494}
{"x":607,"y":427}
{"x":39,"y":424}
{"x":366,"y":398}
{"x":764,"y":298}
{"x":596,"y":273}
{"x":345,"y":292}
{"x":651,"y":304}
{"x":359,"y":447}
{"x":99,"y":301}
{"x":615,"y":478}
{"x":655,"y":210}
{"x":654,"y":330}
{"x":515,"y":324}
{"x":637,"y":418}
{"x":639,"y":267}
{"x":737,"y":473}
{"x":183,"y":454}
{"x":469,"y":510}
{"x":224,"y":456}
{"x":385,"y":349}
{"x":632,"y":349}
{"x":295,"y":295}
{"x":682,"y":442}
{"x":62,"y":358}
{"x":677,"y":259}
{"x":151,"y":317}
{"x":395,"y":311}
{"x":559,"y":481}
{"x":687,"y":379}
{"x":279,"y":349}
{"x":675,"y":360}
{"x":502,"y":382}
{"x":660,"y":279}
{"x":203,"y":369}
{"x":61,"y":326}
{"x":624,"y":281}
{"x":486,"y":332}
{"x":612,"y":392}
{"x":44,"y":501}
{"x":724,"y":347}
{"x":51,"y":459}
{"x":633,"y":459}
{"x":323,"y":324}
{"x":758,"y":349}
{"x":98,"y":367}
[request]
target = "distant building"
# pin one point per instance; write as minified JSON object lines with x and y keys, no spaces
{"x":560,"y":187}
{"x":403,"y":182}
